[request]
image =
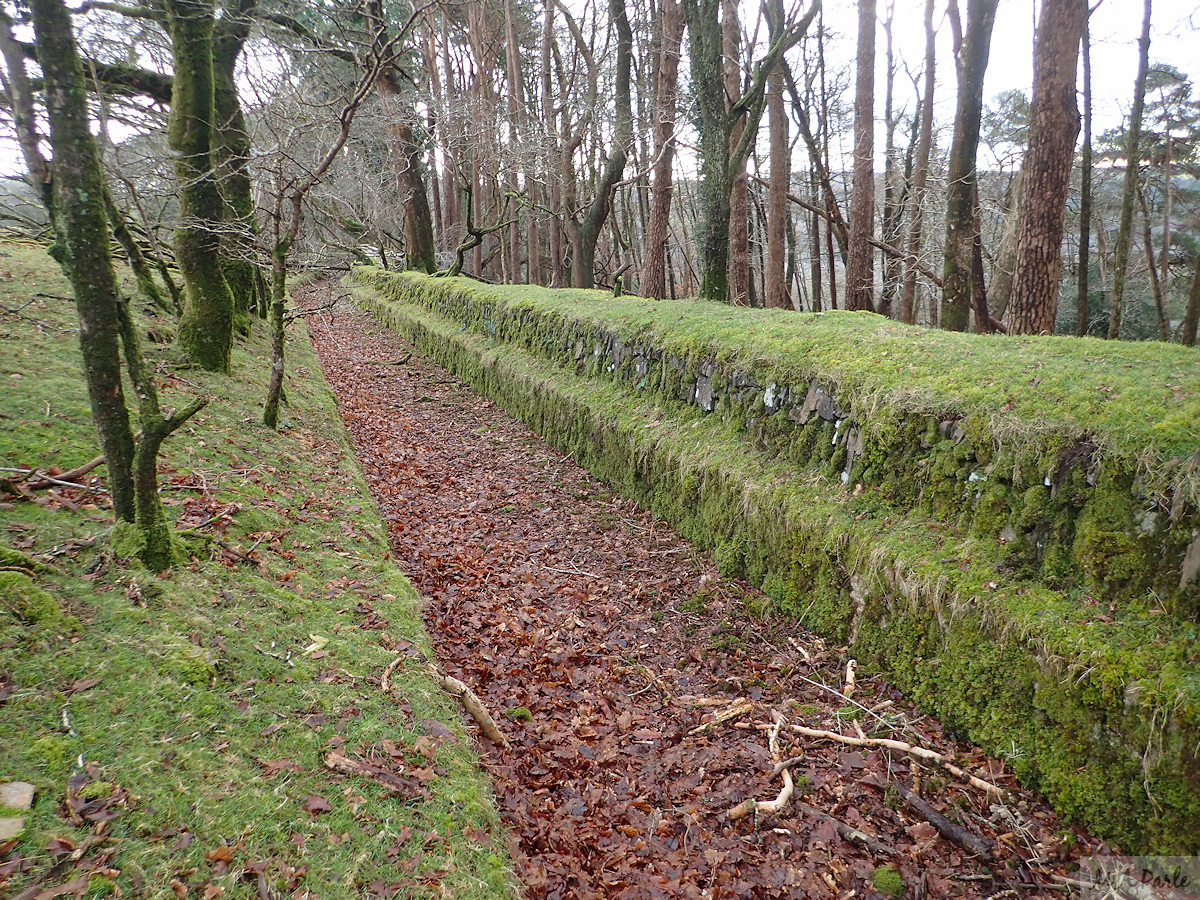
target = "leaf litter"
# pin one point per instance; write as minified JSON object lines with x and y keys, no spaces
{"x":637,"y":686}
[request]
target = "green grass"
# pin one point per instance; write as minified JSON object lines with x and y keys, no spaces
{"x":210,"y":721}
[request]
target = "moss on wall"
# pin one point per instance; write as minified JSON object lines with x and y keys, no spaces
{"x":1005,"y":585}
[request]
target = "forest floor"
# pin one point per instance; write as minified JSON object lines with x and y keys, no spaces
{"x":637,"y":687}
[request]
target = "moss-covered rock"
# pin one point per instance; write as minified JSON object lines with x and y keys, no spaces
{"x":30,"y":608}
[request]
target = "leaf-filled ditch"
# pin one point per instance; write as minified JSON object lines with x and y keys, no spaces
{"x":645,"y":697}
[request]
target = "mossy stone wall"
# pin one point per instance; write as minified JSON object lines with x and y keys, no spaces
{"x":1030,"y":592}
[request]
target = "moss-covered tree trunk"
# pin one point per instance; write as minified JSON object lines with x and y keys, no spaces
{"x":708,"y":89}
{"x":81,"y":228}
{"x":206,"y":329}
{"x":231,"y":157}
{"x":960,"y":190}
{"x":278,"y":329}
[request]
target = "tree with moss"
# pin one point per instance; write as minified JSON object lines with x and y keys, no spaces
{"x":206,"y":329}
{"x":716,"y":120}
{"x":76,"y":201}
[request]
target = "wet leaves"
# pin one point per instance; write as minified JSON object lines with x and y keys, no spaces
{"x":610,"y":651}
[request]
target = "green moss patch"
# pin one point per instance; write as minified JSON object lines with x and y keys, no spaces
{"x":198,"y":707}
{"x":1092,"y":695}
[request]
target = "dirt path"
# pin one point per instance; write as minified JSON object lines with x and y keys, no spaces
{"x":602,"y":642}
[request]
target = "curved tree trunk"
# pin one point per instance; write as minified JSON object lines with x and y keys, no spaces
{"x":1053,"y":127}
{"x":206,"y":329}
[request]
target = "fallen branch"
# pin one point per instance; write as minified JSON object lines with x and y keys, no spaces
{"x":753,"y":807}
{"x":41,"y":479}
{"x":339,"y":762}
{"x":387,"y":673}
{"x":901,"y":747}
{"x":848,"y":833}
{"x":981,"y":847}
{"x":734,"y":710}
{"x":472,"y":704}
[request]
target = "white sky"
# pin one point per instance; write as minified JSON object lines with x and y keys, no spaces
{"x":1114,"y":27}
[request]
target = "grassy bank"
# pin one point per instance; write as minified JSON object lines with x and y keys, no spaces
{"x":178,"y":726}
{"x":1092,"y":698}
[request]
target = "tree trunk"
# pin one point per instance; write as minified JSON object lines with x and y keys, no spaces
{"x":708,"y":87}
{"x":1004,"y":266}
{"x":776,"y":288}
{"x":586,"y":232}
{"x":960,"y":191}
{"x":80,"y":223}
{"x":231,"y":156}
{"x":515,"y":94}
{"x":1156,"y":284}
{"x":860,"y":267}
{"x":1085,"y":188}
{"x":1132,"y":163}
{"x":420,"y":251}
{"x":206,"y":329}
{"x":1053,"y":127}
{"x":739,"y":224}
{"x":666,"y":93}
{"x":1187,"y":331}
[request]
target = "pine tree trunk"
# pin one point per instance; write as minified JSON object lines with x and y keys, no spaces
{"x":1132,"y":163}
{"x":860,"y":267}
{"x":1053,"y":127}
